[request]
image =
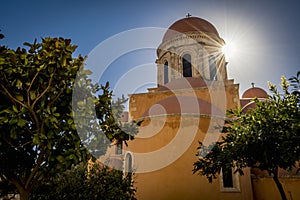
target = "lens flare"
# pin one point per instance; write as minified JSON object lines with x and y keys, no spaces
{"x":229,"y":50}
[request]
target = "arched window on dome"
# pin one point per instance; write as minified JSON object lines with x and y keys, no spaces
{"x":186,"y":65}
{"x":166,"y":73}
{"x":213,"y":68}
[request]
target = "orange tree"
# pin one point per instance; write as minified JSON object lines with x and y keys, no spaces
{"x":38,"y":135}
{"x":266,"y":137}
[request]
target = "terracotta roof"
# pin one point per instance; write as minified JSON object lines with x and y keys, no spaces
{"x":251,"y":105}
{"x":183,"y":105}
{"x":248,"y":106}
{"x":184,"y":83}
{"x":255,"y":92}
{"x":188,"y":25}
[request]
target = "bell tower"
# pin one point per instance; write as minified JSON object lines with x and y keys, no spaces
{"x":191,"y":47}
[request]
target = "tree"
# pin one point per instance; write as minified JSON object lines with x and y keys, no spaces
{"x":87,"y":182}
{"x":1,"y":36}
{"x":295,"y":83}
{"x":266,"y":137}
{"x":38,"y":134}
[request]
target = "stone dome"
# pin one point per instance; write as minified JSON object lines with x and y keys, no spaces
{"x":190,"y":24}
{"x":254,"y":92}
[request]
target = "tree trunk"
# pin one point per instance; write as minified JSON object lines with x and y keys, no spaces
{"x":24,"y":195}
{"x":279,"y":185}
{"x":24,"y":192}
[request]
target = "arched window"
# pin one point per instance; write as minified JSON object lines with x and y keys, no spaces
{"x":186,"y":65}
{"x":128,"y":163}
{"x":229,"y":180}
{"x":119,"y":148}
{"x":166,"y":71}
{"x":212,"y":68}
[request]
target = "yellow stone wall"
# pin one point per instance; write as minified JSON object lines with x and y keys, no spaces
{"x":176,"y":180}
{"x":265,"y":188}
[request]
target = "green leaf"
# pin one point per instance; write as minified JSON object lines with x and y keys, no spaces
{"x":9,"y":111}
{"x":60,"y":158}
{"x":21,"y":122}
{"x":19,"y":83}
{"x":70,"y":121}
{"x":32,"y":95}
{"x":2,"y":61}
{"x":27,"y":44}
{"x":13,"y":134}
{"x":19,"y":97}
{"x":35,"y":139}
{"x":15,"y":109}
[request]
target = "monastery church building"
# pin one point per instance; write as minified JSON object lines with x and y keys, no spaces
{"x":188,"y":105}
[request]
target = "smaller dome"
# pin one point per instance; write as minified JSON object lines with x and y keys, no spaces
{"x":254,"y":92}
{"x":247,"y":107}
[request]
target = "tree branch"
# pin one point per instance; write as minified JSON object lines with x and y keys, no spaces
{"x":57,"y":96}
{"x":11,"y":97}
{"x":35,"y":101}
{"x":47,"y":88}
{"x":35,"y":169}
{"x":28,"y":90}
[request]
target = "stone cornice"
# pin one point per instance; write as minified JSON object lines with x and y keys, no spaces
{"x":194,"y":37}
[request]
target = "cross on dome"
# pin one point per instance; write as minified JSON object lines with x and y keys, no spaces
{"x":188,"y":15}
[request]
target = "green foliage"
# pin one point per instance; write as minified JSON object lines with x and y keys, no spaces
{"x":109,"y":116}
{"x":36,"y":90}
{"x":266,"y":137}
{"x":1,"y":36}
{"x":295,"y":83}
{"x":39,"y":137}
{"x":86,"y":182}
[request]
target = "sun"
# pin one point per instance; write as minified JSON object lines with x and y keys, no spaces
{"x":229,"y":50}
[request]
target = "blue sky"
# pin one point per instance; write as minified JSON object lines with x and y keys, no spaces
{"x":265,"y":33}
